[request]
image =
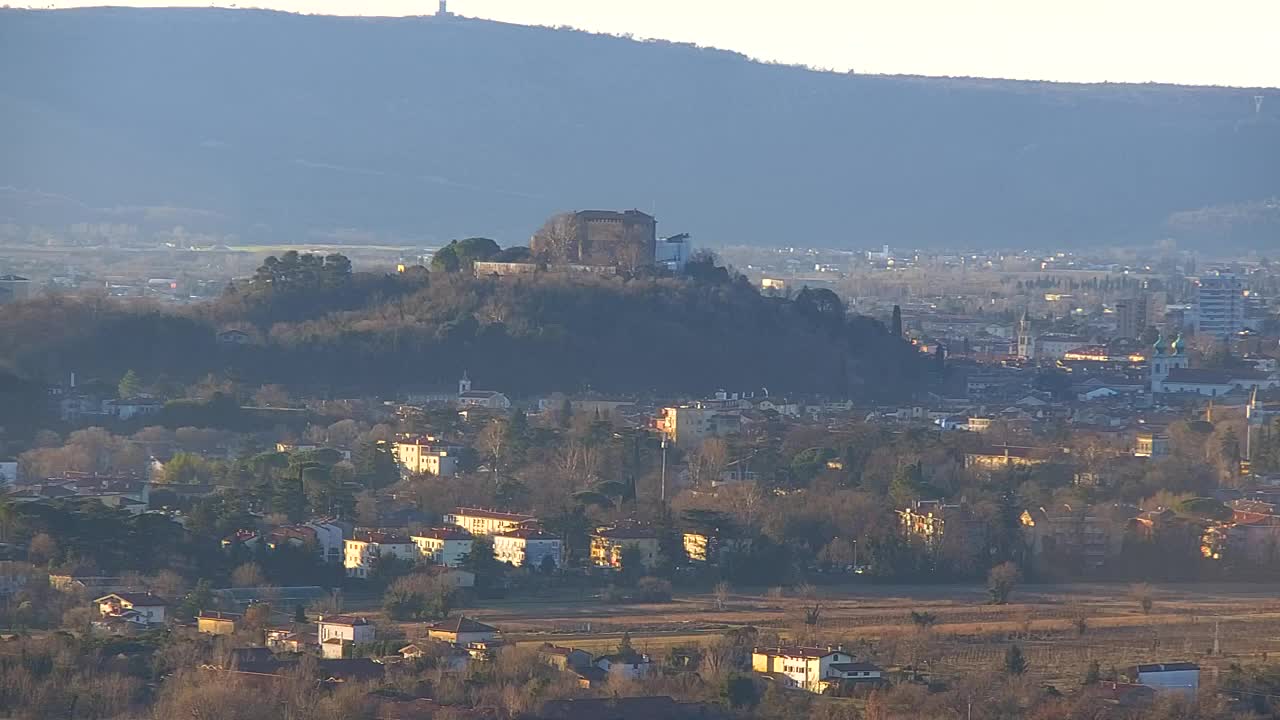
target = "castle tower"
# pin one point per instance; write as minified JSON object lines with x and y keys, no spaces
{"x":1026,"y":342}
{"x":464,"y":385}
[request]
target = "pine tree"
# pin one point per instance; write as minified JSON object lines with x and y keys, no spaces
{"x":1015,"y":663}
{"x":130,"y":385}
{"x":375,"y":466}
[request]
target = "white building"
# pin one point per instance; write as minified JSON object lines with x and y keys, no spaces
{"x":425,"y":458}
{"x":628,"y":666}
{"x":443,"y":546}
{"x":362,"y":552}
{"x":1220,"y":305}
{"x":478,"y":521}
{"x":527,"y":547}
{"x":330,"y":539}
{"x":807,"y":668}
{"x":140,"y":607}
{"x":338,"y":633}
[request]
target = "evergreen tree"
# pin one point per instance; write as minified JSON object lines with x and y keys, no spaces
{"x":1093,"y":675}
{"x":130,"y":385}
{"x":895,"y":325}
{"x":1015,"y":663}
{"x":375,"y":465}
{"x":289,"y":498}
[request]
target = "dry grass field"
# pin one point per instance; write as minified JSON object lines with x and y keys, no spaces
{"x":1061,"y":628}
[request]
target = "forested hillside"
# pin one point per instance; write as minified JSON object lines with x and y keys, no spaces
{"x":277,"y":127}
{"x":364,"y":333}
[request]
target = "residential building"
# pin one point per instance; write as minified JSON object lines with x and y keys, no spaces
{"x":426,"y":458}
{"x":331,"y":538}
{"x":452,"y":576}
{"x":1055,"y":346}
{"x":629,"y":665}
{"x":1178,"y":677}
{"x":1065,"y":535}
{"x":337,"y":634}
{"x":607,"y":545}
{"x":1005,"y":456}
{"x":931,"y":521}
{"x":851,"y":673}
{"x":1220,"y":304}
{"x":527,"y":547}
{"x":215,"y":622}
{"x":807,"y":668}
{"x":462,"y":631}
{"x":687,"y":426}
{"x":1150,"y":443}
{"x":564,"y":658}
{"x":139,"y":607}
{"x":708,"y":546}
{"x":444,"y":546}
{"x":362,"y":551}
{"x":128,"y":408}
{"x":479,"y":521}
{"x":1131,"y":316}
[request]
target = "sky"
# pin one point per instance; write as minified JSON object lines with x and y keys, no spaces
{"x":1202,"y":42}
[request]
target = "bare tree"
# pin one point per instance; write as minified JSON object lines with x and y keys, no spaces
{"x":1143,"y":593}
{"x":721,"y":592}
{"x":557,"y":242}
{"x":248,"y":575}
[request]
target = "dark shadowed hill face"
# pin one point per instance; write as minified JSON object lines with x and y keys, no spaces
{"x":286,"y":127}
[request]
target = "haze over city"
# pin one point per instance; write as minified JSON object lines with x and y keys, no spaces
{"x":1174,"y":41}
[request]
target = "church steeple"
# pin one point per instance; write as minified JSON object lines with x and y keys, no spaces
{"x":464,"y":385}
{"x":1158,"y":347}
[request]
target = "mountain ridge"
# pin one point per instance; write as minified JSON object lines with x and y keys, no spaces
{"x":286,"y":127}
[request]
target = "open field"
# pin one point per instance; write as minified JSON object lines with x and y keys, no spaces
{"x":969,"y":635}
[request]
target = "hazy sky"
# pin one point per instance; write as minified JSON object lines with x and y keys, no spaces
{"x":1222,"y":42}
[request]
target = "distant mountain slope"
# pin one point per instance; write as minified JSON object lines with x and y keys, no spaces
{"x":283,"y":127}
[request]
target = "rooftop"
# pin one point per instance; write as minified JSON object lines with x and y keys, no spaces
{"x":462,"y":624}
{"x":352,"y":620}
{"x":491,"y":514}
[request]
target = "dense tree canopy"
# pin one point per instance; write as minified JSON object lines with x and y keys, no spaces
{"x":375,"y":333}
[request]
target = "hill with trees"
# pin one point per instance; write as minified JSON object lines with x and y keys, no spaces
{"x":313,"y":324}
{"x":265,"y":126}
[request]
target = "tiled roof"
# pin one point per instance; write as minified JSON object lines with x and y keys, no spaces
{"x":799,"y":651}
{"x":144,"y":599}
{"x":444,"y":534}
{"x":352,"y":620}
{"x":462,"y":624}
